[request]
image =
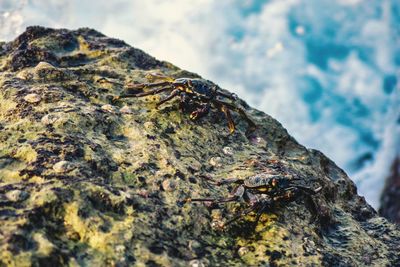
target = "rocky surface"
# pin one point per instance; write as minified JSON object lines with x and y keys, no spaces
{"x":84,"y":181}
{"x":390,"y":204}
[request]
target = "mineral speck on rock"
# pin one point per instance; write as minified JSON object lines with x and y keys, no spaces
{"x":84,"y":184}
{"x":258,"y":141}
{"x":216,"y":161}
{"x":32,"y":98}
{"x":126,"y":110}
{"x":169,"y":185}
{"x":63,"y":166}
{"x":49,"y":119}
{"x":16,"y":195}
{"x":194,"y":245}
{"x":148,"y":125}
{"x":196,"y":263}
{"x":243,"y":251}
{"x":228,"y":151}
{"x":108,"y":108}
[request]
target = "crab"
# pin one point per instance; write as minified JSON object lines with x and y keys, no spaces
{"x":261,"y":192}
{"x":197,"y":96}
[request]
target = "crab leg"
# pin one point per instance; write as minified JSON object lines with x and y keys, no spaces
{"x":260,"y":211}
{"x":228,"y":115}
{"x":231,"y":96}
{"x":198,"y":113}
{"x":304,"y":189}
{"x":158,"y":76}
{"x":214,"y":200}
{"x":169,"y":97}
{"x":146,"y":85}
{"x":242,"y":213}
{"x":153,"y":92}
{"x":230,"y":181}
{"x":105,"y":80}
{"x":308,"y":189}
{"x":224,"y":181}
{"x":241,"y":111}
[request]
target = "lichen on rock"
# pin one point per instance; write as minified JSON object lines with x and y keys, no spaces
{"x":84,"y":181}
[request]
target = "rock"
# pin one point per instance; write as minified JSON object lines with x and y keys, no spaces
{"x":43,"y":65}
{"x":148,"y":125}
{"x":169,"y":185}
{"x":33,"y":98}
{"x":108,"y":108}
{"x":390,"y":205}
{"x":216,"y":161}
{"x":16,"y":195}
{"x":49,"y":119}
{"x":63,"y":166}
{"x":196,"y":263}
{"x":126,"y":110}
{"x":126,"y":204}
{"x":243,"y":251}
{"x":228,"y":151}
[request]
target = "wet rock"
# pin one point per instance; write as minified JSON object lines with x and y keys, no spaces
{"x":82,"y":183}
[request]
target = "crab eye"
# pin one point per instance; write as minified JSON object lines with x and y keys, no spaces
{"x":234,"y":96}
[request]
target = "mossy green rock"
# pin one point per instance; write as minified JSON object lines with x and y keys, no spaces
{"x":84,"y":181}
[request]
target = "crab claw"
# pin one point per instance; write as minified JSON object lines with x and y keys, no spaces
{"x":194,"y":115}
{"x":231,"y":127}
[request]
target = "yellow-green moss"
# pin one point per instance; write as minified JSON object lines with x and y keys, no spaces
{"x":6,"y":106}
{"x":89,"y":233}
{"x":26,"y":153}
{"x":45,"y":247}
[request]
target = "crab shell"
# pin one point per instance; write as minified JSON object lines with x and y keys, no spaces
{"x":265,"y":180}
{"x":199,"y":87}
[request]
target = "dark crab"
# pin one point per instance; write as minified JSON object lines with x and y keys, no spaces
{"x":261,"y":192}
{"x":196,"y":96}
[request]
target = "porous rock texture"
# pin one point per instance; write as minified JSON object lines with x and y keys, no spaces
{"x":84,"y":181}
{"x":390,"y":200}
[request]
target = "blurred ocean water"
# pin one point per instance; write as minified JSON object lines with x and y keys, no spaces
{"x":327,"y":70}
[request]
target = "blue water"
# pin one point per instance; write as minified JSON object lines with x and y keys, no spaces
{"x":328,"y":70}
